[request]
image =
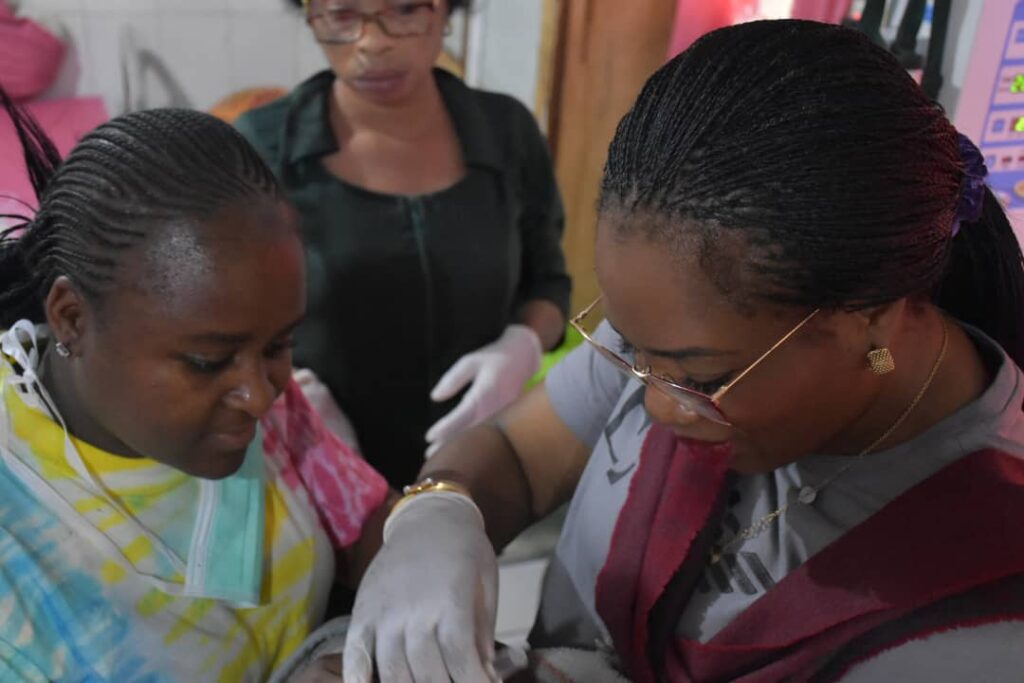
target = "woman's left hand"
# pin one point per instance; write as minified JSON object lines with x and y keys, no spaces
{"x":498,"y":371}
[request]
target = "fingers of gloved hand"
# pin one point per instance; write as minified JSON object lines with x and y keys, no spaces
{"x":392,"y":665}
{"x":424,"y":655}
{"x":456,"y":379}
{"x":356,"y":659}
{"x":485,"y":646}
{"x":333,"y":417}
{"x":523,"y":347}
{"x":486,"y":612}
{"x":458,"y":637}
{"x":304,"y":377}
{"x":432,"y":449}
{"x":461,"y":418}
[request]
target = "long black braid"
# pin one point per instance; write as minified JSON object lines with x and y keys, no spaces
{"x":122,"y":180}
{"x":815,"y":151}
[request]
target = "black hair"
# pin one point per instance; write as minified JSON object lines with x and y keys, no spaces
{"x":123,"y":180}
{"x":453,"y":5}
{"x":808,"y":151}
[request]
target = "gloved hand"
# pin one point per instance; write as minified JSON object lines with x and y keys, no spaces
{"x":426,"y":607}
{"x":498,"y":371}
{"x":319,"y":396}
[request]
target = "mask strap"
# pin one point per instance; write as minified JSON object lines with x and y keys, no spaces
{"x":23,"y":333}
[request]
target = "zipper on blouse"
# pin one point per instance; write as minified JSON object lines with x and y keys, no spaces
{"x":418,"y":216}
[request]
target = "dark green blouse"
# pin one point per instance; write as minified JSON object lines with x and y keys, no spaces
{"x":400,"y":287}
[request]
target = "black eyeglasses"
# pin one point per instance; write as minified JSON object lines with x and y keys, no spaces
{"x":341,"y":22}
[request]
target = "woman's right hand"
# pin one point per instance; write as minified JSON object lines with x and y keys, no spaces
{"x":426,"y":607}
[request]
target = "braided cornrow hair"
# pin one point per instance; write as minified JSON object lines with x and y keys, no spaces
{"x":122,"y":180}
{"x":815,"y":151}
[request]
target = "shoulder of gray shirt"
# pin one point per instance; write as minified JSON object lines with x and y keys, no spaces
{"x":996,"y":418}
{"x":585,"y":387}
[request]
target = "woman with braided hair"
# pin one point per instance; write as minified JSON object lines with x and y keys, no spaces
{"x":433,"y":230}
{"x":171,"y":509}
{"x":794,"y":445}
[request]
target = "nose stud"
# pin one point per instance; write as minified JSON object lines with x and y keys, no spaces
{"x":242,"y":394}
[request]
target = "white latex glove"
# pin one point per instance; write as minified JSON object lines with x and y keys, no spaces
{"x":426,"y":607}
{"x":498,"y":371}
{"x":319,"y":396}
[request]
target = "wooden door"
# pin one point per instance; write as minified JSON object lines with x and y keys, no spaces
{"x":603,"y":53}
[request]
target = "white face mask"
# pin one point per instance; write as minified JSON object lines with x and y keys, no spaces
{"x":225,"y":556}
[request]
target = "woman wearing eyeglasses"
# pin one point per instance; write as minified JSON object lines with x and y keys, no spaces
{"x":433,"y":228}
{"x":793,"y":447}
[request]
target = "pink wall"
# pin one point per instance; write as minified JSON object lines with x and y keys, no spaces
{"x":828,"y":11}
{"x":986,"y":51}
{"x":694,"y":18}
{"x":66,"y":121}
{"x":983,"y":67}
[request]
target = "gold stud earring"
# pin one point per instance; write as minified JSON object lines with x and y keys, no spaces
{"x":881,"y":361}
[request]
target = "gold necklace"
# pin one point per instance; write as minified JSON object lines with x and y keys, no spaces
{"x":808,"y":494}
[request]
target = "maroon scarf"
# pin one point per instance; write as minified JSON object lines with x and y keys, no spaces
{"x":948,"y":552}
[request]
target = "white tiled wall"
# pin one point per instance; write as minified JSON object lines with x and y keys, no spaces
{"x":506,"y":50}
{"x":194,"y":52}
{"x":180,"y":52}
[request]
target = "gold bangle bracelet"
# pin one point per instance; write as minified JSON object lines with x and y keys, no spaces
{"x":429,"y":485}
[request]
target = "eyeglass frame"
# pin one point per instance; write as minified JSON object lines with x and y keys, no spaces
{"x":365,"y":17}
{"x":646,"y":377}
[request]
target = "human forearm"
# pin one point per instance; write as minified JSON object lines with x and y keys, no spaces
{"x":544,"y":318}
{"x":484,"y":461}
{"x":518,"y":468}
{"x":436,"y":579}
{"x":353,"y":560}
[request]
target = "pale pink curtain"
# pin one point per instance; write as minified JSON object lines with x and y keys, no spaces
{"x":828,"y":11}
{"x":694,"y":18}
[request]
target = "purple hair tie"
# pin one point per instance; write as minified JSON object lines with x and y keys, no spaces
{"x":972,"y":187}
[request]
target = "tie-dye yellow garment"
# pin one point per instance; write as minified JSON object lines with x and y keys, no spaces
{"x":70,"y":612}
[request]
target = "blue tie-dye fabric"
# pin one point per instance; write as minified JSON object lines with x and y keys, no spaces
{"x":56,"y":623}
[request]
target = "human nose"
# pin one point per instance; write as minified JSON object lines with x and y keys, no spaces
{"x":666,"y":410}
{"x":255,"y":391}
{"x":372,"y":38}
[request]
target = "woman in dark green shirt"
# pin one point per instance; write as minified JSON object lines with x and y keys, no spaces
{"x":433,"y":227}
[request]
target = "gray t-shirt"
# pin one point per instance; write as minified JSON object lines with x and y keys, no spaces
{"x":605,"y":410}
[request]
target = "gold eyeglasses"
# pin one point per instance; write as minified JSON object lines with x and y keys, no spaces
{"x":707,"y":406}
{"x":341,"y":21}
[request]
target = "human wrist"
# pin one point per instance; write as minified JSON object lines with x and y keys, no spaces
{"x":529,"y":340}
{"x":528,"y":332}
{"x":429,"y":491}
